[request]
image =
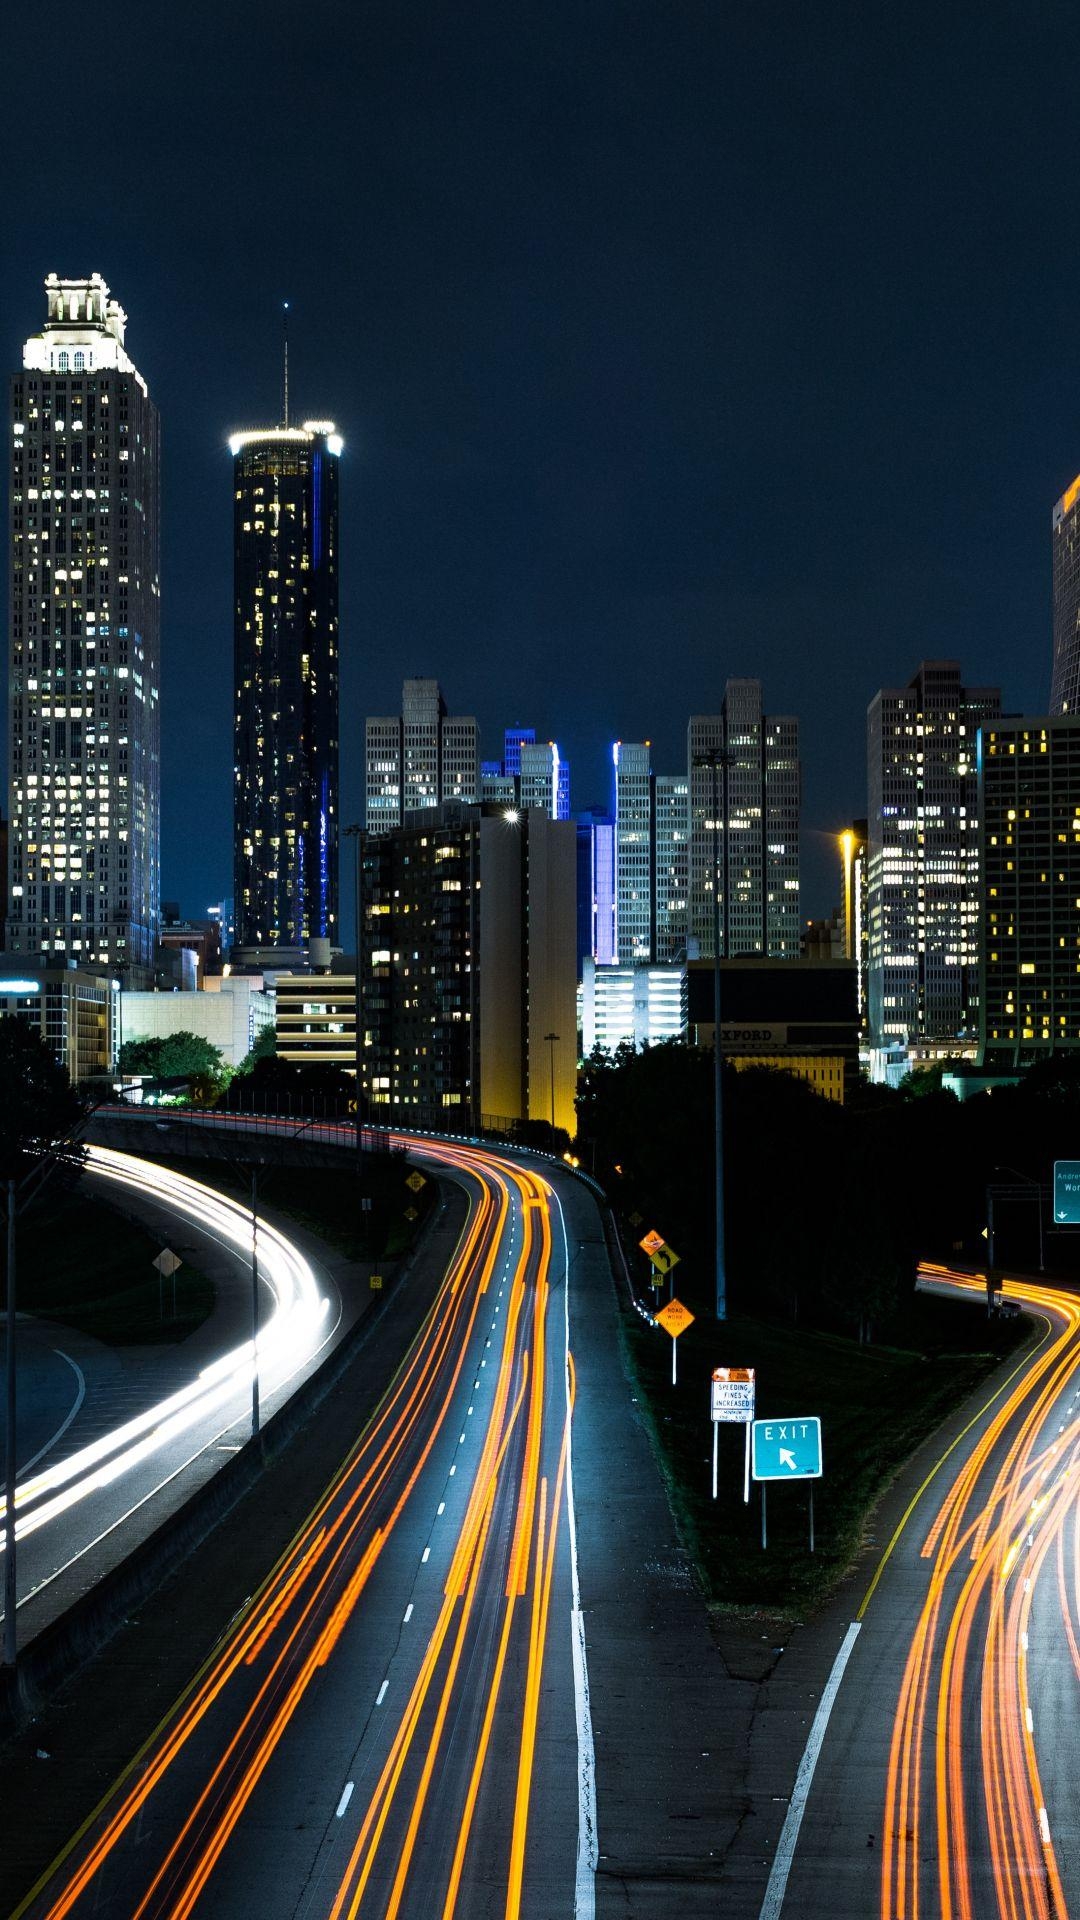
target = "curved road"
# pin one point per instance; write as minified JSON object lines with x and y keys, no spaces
{"x":947,"y":1785}
{"x":397,"y":1724}
{"x":72,"y":1498}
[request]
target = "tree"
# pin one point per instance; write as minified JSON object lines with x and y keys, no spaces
{"x":38,"y":1105}
{"x":178,"y":1056}
{"x":265,"y":1048}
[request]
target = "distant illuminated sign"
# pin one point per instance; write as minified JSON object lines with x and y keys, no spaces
{"x":19,"y":986}
{"x":1067,"y":1192}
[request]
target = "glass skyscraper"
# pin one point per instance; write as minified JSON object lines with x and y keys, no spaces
{"x":757,"y":827}
{"x":286,"y":684}
{"x":85,"y":611}
{"x":1065,"y":679}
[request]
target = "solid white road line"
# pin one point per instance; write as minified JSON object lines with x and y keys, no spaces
{"x":587,"y":1842}
{"x":345,"y":1798}
{"x":80,"y":1396}
{"x":785,"y":1851}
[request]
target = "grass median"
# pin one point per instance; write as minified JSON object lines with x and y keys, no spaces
{"x":87,"y":1265}
{"x":876,"y":1403}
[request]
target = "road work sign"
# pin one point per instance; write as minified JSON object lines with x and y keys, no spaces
{"x":416,"y":1181}
{"x":651,"y":1242}
{"x":674,"y":1318}
{"x":1067,"y":1193}
{"x":732,"y":1395}
{"x":788,"y":1449}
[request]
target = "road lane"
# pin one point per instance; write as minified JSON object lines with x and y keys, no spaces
{"x":391,"y":1726}
{"x":946,"y":1787}
{"x":76,"y":1495}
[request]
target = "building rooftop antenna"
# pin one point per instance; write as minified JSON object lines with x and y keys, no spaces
{"x":285,"y":333}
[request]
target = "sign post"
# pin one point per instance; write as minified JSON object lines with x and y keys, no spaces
{"x":787,"y":1449}
{"x":732,"y":1401}
{"x":674,"y":1318}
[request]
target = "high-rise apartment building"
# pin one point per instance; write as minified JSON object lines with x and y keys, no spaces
{"x":419,"y":758}
{"x":753,"y":837}
{"x":671,"y":866}
{"x":633,"y":814}
{"x":1065,"y":534}
{"x":544,"y":778}
{"x":285,"y":660}
{"x":469,"y":970}
{"x":923,"y":860}
{"x":1029,"y":836}
{"x":85,"y":621}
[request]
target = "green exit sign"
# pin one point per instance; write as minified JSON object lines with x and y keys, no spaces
{"x":1067,"y":1193}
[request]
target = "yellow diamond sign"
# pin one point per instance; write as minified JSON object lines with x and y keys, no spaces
{"x":664,"y":1259}
{"x":674,"y":1318}
{"x":652,"y":1242}
{"x":416,"y":1181}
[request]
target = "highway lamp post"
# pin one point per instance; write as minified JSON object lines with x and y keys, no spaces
{"x":552,"y":1039}
{"x":717,"y":758}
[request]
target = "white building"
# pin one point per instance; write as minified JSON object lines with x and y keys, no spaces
{"x":83,"y":879}
{"x":757,"y":817}
{"x":419,"y":758}
{"x":231,"y":1012}
{"x":642,"y":1004}
{"x":74,"y":1011}
{"x":671,"y":865}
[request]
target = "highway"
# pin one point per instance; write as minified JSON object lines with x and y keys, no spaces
{"x":397,"y":1723}
{"x":76,"y":1496}
{"x":946,"y":1785}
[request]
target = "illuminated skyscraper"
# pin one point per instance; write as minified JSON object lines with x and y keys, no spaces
{"x":85,"y":612}
{"x":758,"y":795}
{"x":286,"y":680}
{"x":923,"y":861}
{"x":418,"y":758}
{"x":633,"y":813}
{"x":1065,"y":679}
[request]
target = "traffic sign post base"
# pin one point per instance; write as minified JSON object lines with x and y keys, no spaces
{"x":764,"y":1534}
{"x":811,"y":1516}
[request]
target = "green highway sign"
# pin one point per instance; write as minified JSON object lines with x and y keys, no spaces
{"x":1067,"y":1192}
{"x":788,"y":1449}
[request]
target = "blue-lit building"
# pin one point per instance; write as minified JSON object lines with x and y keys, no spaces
{"x":286,"y":682}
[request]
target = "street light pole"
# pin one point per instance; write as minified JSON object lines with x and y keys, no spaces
{"x":551,"y":1039}
{"x":9,"y":1443}
{"x":715,"y":758}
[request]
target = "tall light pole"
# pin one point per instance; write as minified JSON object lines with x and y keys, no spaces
{"x":356,"y":834}
{"x":552,"y":1039}
{"x":254,"y":1303}
{"x":847,"y":848}
{"x":716,"y":758}
{"x":10,"y":1598}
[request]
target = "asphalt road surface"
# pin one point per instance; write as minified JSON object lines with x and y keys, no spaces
{"x":395,"y":1724}
{"x":96,"y":1460}
{"x":947,"y":1786}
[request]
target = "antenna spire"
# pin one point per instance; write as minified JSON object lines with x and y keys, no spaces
{"x":285,"y":332}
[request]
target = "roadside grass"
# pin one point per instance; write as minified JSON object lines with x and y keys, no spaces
{"x":85,"y":1264}
{"x":326,"y":1200}
{"x":876,"y":1404}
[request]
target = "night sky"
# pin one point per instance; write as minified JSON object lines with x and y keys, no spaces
{"x":669,"y":342}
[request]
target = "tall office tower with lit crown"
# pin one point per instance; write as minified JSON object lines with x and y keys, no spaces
{"x":543,"y":777}
{"x":923,"y":883}
{"x":285,"y":656}
{"x":419,"y":758}
{"x":85,"y":614}
{"x":752,"y":850}
{"x":1065,"y":534}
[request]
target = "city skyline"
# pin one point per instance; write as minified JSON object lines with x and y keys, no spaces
{"x":577,"y":441}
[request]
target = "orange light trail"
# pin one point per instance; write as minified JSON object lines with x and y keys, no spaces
{"x":1008,"y":1509}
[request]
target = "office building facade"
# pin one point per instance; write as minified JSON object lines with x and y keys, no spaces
{"x":749,"y":849}
{"x":85,"y":638}
{"x":1029,"y":835}
{"x":634,"y":852}
{"x":636,"y":1005}
{"x":468,"y":968}
{"x":417,"y":759}
{"x":1065,"y":536}
{"x":923,"y":889}
{"x":285,"y":656}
